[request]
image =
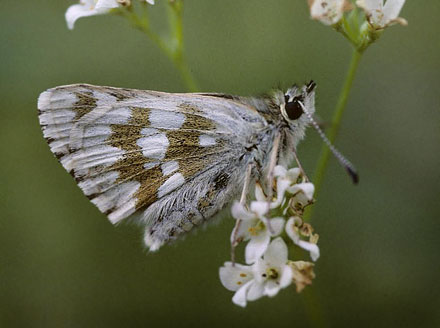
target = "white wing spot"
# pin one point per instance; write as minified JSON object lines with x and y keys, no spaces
{"x":154,"y":146}
{"x":59,"y":116}
{"x":149,"y":132}
{"x":91,"y":136}
{"x":165,"y":119}
{"x":169,"y":167}
{"x":87,"y":158}
{"x":149,"y":166}
{"x":125,"y":210}
{"x":103,"y":98}
{"x":206,"y":140}
{"x":56,"y":99}
{"x":109,"y":115}
{"x":174,"y":182}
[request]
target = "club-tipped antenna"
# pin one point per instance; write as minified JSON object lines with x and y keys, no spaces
{"x":341,"y":158}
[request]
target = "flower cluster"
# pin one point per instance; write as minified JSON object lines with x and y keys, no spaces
{"x":94,"y":7}
{"x":268,"y":269}
{"x":360,"y":29}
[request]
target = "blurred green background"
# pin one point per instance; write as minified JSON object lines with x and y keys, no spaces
{"x":62,"y":264}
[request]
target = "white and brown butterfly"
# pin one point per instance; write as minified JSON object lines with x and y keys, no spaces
{"x":170,"y":161}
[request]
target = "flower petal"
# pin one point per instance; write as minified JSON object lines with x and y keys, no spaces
{"x":260,"y":207}
{"x":277,"y":225}
{"x":259,"y":270}
{"x":380,"y":15}
{"x":241,"y":231}
{"x":290,"y":225}
{"x":313,"y":249}
{"x":370,"y":5}
{"x":271,"y":288}
{"x":293,"y":174}
{"x":282,"y":185}
{"x":240,"y":212}
{"x":234,"y":277}
{"x":276,"y":253}
{"x":255,"y":291}
{"x":108,"y":4}
{"x":392,"y":9}
{"x":303,"y":192}
{"x":239,"y":297}
{"x":279,"y":171}
{"x":84,"y":9}
{"x":286,"y":276}
{"x":256,"y":247}
{"x":259,"y":193}
{"x":328,"y":12}
{"x":306,"y":188}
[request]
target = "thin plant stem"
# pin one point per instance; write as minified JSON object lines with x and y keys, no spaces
{"x":335,"y":124}
{"x":171,"y":46}
{"x":175,"y":18}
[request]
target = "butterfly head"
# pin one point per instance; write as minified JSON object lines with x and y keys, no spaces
{"x":298,"y":101}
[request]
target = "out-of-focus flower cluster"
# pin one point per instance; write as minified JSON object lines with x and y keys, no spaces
{"x":95,"y":7}
{"x":266,"y":225}
{"x":362,"y":23}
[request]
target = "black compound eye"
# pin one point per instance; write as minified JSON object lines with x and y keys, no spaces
{"x":294,"y":109}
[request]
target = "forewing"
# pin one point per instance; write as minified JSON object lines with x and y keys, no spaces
{"x":129,"y":148}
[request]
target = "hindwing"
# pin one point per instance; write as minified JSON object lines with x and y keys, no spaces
{"x":128,"y":149}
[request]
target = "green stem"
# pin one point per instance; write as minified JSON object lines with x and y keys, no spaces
{"x":172,"y":46}
{"x":175,"y":17}
{"x":336,"y":121}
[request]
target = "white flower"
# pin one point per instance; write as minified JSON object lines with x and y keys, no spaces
{"x":328,"y":12}
{"x":107,"y":4}
{"x":302,"y":193}
{"x":237,"y":278}
{"x":253,"y":227}
{"x":291,"y":231}
{"x":88,"y":8}
{"x":381,"y":15}
{"x":264,"y":278}
{"x":93,"y":7}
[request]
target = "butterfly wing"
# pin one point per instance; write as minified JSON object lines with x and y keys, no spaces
{"x":169,"y":160}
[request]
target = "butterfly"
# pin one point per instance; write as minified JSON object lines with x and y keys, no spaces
{"x":170,"y":161}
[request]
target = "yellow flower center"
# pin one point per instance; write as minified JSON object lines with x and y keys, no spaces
{"x":256,"y":229}
{"x":271,"y":273}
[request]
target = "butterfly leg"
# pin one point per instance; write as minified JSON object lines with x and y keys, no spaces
{"x":300,"y":166}
{"x":272,"y":163}
{"x":234,"y":238}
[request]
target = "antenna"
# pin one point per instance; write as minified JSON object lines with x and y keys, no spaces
{"x":341,"y":159}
